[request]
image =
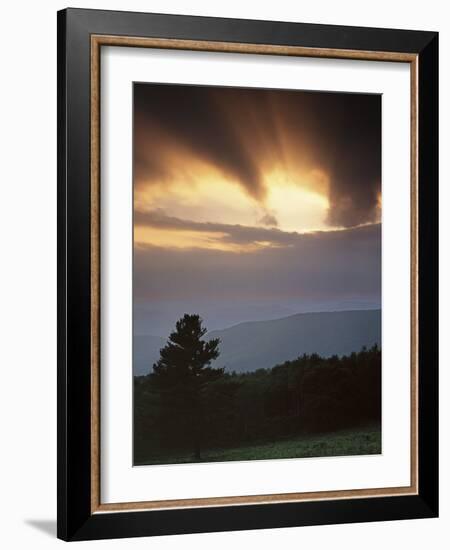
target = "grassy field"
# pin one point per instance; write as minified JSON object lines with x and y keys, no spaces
{"x":345,"y":443}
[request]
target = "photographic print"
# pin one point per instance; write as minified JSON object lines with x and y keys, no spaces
{"x":247,"y":274}
{"x":256,"y":274}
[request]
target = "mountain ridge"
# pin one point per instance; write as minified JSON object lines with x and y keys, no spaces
{"x":291,"y":316}
{"x":251,"y":345}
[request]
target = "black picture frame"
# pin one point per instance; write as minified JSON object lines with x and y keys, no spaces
{"x":75,"y":518}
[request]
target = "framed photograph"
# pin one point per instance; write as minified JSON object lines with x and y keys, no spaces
{"x":247,"y":253}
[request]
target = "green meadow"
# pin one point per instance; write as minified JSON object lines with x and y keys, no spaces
{"x":343,"y":443}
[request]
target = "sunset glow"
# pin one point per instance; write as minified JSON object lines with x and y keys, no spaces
{"x":214,"y":163}
{"x":288,"y":205}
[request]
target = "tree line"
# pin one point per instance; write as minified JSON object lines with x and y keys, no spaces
{"x":185,"y":405}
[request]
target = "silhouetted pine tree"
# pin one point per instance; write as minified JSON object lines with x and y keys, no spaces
{"x":182,"y":374}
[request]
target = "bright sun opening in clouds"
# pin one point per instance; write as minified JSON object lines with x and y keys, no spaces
{"x":288,"y":206}
{"x":296,"y":206}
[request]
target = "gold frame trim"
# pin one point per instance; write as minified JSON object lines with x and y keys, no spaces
{"x":97,"y":41}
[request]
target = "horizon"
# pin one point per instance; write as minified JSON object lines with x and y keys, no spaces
{"x":251,"y":321}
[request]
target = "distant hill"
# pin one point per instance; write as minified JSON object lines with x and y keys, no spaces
{"x":262,"y":344}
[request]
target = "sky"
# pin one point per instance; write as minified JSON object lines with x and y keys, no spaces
{"x":253,"y":204}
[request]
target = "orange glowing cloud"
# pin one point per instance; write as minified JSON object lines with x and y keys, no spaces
{"x":259,"y":159}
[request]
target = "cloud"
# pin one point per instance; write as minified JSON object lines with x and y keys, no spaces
{"x":269,"y":219}
{"x":342,"y":264}
{"x":247,"y":133}
{"x":236,"y":234}
{"x":246,"y":235}
{"x":193,"y":118}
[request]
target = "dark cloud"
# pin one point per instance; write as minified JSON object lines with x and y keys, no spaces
{"x":243,"y":131}
{"x":193,"y":117}
{"x":269,"y":220}
{"x":238,"y":234}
